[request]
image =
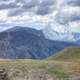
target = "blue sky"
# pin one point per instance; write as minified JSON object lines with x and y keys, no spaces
{"x":55,"y":14}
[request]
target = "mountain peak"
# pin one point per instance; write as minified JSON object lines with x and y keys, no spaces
{"x":23,"y":42}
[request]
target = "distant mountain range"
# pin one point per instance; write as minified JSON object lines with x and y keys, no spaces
{"x":52,"y":34}
{"x":22,"y":42}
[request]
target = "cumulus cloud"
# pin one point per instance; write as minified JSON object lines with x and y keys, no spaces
{"x":38,"y":7}
{"x":68,"y":14}
{"x":65,"y":22}
{"x":43,"y":10}
{"x":9,"y":5}
{"x":62,"y":14}
{"x":47,"y":2}
{"x":30,"y":4}
{"x":46,"y":7}
{"x":15,"y":12}
{"x":73,"y":2}
{"x":75,"y":26}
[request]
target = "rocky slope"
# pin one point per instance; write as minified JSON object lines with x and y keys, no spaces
{"x":39,"y":70}
{"x":22,"y":42}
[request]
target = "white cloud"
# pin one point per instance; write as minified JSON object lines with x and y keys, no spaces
{"x":3,"y":15}
{"x":75,"y":26}
{"x":55,"y":15}
{"x":68,"y":14}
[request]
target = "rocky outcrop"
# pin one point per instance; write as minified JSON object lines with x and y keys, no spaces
{"x":23,"y":74}
{"x":3,"y":74}
{"x":31,"y":75}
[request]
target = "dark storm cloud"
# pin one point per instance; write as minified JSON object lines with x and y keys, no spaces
{"x":43,"y":10}
{"x":16,"y":12}
{"x":73,"y":2}
{"x":18,"y":7}
{"x":76,"y":18}
{"x":45,"y":7}
{"x":17,"y":1}
{"x":47,"y":3}
{"x":9,"y":5}
{"x":65,"y":17}
{"x":26,"y":7}
{"x":38,"y":7}
{"x":30,"y":4}
{"x":4,"y":0}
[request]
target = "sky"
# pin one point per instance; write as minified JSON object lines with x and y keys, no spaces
{"x":58,"y":15}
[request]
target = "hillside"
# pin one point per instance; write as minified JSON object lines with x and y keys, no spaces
{"x":28,"y":43}
{"x":70,"y":53}
{"x":59,"y":67}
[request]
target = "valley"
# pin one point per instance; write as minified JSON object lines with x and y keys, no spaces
{"x":39,"y":39}
{"x":25,"y":54}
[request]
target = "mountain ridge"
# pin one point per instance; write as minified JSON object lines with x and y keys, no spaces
{"x":28,"y":43}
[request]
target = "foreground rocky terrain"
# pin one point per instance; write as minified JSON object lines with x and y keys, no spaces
{"x":39,"y":70}
{"x":62,"y":66}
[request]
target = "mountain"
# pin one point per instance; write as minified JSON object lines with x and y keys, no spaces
{"x":70,"y":53}
{"x":22,"y":42}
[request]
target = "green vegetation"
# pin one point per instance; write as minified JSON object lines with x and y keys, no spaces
{"x":60,"y":67}
{"x":60,"y":73}
{"x":71,"y":54}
